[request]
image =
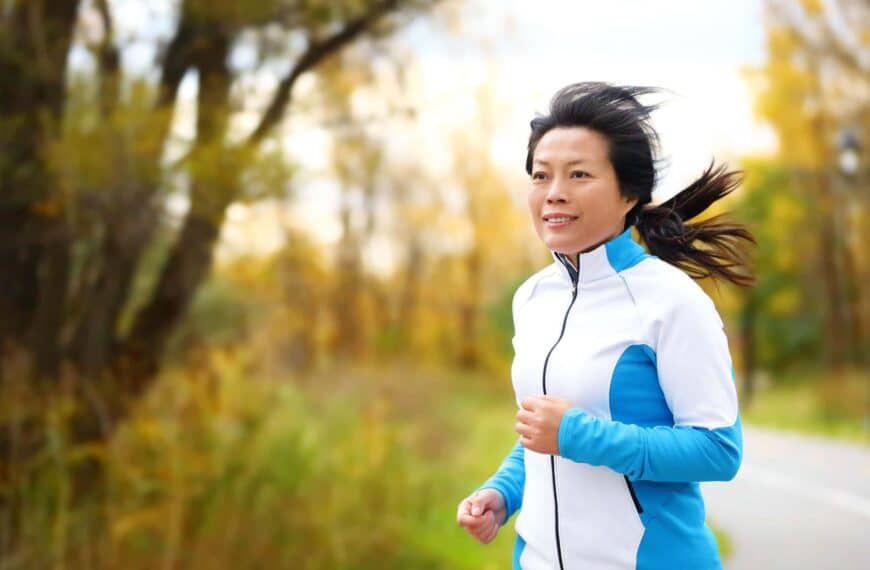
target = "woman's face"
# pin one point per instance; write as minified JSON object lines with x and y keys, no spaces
{"x":572,"y":178}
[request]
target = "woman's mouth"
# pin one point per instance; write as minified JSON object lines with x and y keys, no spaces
{"x":555,"y":222}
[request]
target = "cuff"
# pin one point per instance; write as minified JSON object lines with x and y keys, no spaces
{"x":571,"y":430}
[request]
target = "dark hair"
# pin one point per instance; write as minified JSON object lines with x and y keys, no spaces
{"x":703,"y":248}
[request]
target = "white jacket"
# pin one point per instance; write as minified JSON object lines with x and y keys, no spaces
{"x":640,"y":351}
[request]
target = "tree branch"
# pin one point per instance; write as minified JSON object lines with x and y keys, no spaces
{"x":819,"y":37}
{"x":315,"y":53}
{"x":176,"y":61}
{"x":110,"y":61}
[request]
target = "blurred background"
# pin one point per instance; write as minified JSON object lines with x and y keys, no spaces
{"x":257,"y":261}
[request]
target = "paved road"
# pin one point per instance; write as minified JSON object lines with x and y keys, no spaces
{"x":797,"y":502}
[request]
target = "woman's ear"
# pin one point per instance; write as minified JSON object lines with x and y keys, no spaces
{"x":630,"y":202}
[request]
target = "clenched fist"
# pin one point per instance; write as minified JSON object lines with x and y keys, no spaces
{"x":481,"y":514}
{"x":538,"y":422}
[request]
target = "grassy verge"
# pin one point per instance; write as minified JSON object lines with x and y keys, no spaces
{"x":831,"y":406}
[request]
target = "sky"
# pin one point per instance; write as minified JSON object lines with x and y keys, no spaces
{"x":693,"y":49}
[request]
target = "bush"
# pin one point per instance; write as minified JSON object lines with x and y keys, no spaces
{"x":219,"y":468}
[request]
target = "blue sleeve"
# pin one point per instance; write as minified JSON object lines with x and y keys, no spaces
{"x":695,"y":373}
{"x":658,"y":453}
{"x":509,"y":480}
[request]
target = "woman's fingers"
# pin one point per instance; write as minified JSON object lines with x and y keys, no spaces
{"x":465,"y":514}
{"x":489,"y":531}
{"x":483,"y":526}
{"x":464,"y":509}
{"x":474,"y":523}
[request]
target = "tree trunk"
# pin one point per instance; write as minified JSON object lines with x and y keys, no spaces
{"x":51,"y":306}
{"x":132,"y":222}
{"x":410,"y":293}
{"x":33,"y":53}
{"x":96,"y":334}
{"x":832,"y":278}
{"x":468,"y":355}
{"x":138,"y":359}
{"x":186,"y":267}
{"x":347,"y":340}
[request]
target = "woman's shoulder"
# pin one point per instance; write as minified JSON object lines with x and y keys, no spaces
{"x":527,"y":288}
{"x":663,"y":288}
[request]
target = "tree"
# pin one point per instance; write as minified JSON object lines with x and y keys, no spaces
{"x":814,"y":83}
{"x":85,"y":181}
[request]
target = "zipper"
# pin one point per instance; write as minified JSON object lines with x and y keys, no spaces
{"x":637,"y":506}
{"x":544,"y":383}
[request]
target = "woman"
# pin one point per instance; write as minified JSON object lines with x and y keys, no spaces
{"x":622,"y":372}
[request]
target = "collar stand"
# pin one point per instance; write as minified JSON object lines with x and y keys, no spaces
{"x":609,"y":258}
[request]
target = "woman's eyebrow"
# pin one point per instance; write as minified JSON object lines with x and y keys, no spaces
{"x":545,"y":163}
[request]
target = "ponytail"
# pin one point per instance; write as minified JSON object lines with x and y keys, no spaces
{"x":707,"y":248}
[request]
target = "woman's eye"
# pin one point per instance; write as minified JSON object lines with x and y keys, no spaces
{"x":580,"y":173}
{"x":538,"y":176}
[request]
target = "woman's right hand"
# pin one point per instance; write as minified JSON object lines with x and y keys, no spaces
{"x":481,"y":514}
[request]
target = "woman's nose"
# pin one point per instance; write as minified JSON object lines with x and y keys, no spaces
{"x":555,"y":193}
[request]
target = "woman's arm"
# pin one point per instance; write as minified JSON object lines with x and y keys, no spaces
{"x":659,"y":453}
{"x":509,"y":480}
{"x":696,"y":377}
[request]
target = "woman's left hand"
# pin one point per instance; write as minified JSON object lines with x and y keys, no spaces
{"x":538,"y":422}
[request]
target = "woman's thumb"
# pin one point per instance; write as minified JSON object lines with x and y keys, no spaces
{"x":479,"y":503}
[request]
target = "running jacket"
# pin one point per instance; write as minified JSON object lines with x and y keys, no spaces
{"x":640,"y":351}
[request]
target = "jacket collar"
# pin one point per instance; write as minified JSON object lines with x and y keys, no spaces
{"x":609,"y":258}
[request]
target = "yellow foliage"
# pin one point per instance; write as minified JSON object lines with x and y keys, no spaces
{"x":788,"y":95}
{"x":151,"y":519}
{"x":813,"y":7}
{"x":784,"y":302}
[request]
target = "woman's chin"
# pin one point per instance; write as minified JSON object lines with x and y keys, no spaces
{"x":562,"y":246}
